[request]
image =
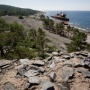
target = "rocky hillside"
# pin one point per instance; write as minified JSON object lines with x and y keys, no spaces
{"x":29,"y":23}
{"x":60,"y":71}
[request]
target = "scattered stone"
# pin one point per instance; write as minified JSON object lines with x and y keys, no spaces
{"x":81,"y":57}
{"x":52,"y":76}
{"x":64,"y":86}
{"x":27,"y":85}
{"x":47,"y":85}
{"x":88,"y":54}
{"x":24,"y":61}
{"x":77,"y":53}
{"x":19,"y":67}
{"x":85,"y":73}
{"x":58,"y":59}
{"x":66,"y":73}
{"x":34,"y":71}
{"x":9,"y":86}
{"x":61,"y":53}
{"x":6,"y":66}
{"x":72,"y":55}
{"x":21,"y":71}
{"x":55,"y":53}
{"x":66,"y":56}
{"x":34,"y":80}
{"x":38,"y":63}
{"x":86,"y":61}
{"x":76,"y":62}
{"x":49,"y":58}
{"x":40,"y":69}
{"x":32,"y":67}
{"x":31,"y":73}
{"x":68,"y":65}
{"x":51,"y":64}
{"x":84,"y":54}
{"x":4,"y":63}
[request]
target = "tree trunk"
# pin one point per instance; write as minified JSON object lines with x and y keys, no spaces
{"x":2,"y":52}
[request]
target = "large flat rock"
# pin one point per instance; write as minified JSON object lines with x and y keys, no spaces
{"x":24,"y":61}
{"x":38,"y":63}
{"x":4,"y":63}
{"x":66,"y":73}
{"x":34,"y":80}
{"x":8,"y":86}
{"x":47,"y":85}
{"x":31,"y":73}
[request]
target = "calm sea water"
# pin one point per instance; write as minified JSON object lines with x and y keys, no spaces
{"x":80,"y":19}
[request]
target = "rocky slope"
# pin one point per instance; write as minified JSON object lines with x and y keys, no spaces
{"x":60,"y":71}
{"x":29,"y":23}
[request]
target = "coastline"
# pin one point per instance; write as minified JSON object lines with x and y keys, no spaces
{"x":78,"y":19}
{"x":80,"y":29}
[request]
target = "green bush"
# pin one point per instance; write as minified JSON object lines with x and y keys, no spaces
{"x":78,"y":42}
{"x":51,"y":48}
{"x":25,"y":52}
{"x":21,"y":17}
{"x":11,"y":56}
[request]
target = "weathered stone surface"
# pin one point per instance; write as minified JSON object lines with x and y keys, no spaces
{"x":58,"y":59}
{"x":27,"y":85}
{"x":72,"y":55}
{"x":24,"y":61}
{"x":8,"y":86}
{"x":52,"y":76}
{"x":67,"y":64}
{"x":32,"y":67}
{"x":61,"y":53}
{"x":38,"y":63}
{"x":34,"y":80}
{"x":47,"y":85}
{"x":64,"y":86}
{"x":81,"y":57}
{"x":66,"y":73}
{"x":87,"y":62}
{"x":77,"y":53}
{"x":19,"y":67}
{"x":84,"y":54}
{"x":75,"y":62}
{"x":54,"y":53}
{"x":21,"y":71}
{"x":51,"y":64}
{"x":49,"y":58}
{"x":40,"y":69}
{"x":85,"y":73}
{"x":31,"y":73}
{"x":4,"y":63}
{"x":66,"y":56}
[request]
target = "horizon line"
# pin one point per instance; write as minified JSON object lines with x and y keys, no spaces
{"x":43,"y":10}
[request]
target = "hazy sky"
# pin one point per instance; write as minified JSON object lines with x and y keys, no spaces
{"x":50,"y":4}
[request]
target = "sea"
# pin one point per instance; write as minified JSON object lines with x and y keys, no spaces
{"x":79,"y":19}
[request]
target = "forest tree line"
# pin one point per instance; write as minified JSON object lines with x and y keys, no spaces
{"x":10,"y":10}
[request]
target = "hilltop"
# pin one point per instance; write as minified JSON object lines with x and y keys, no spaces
{"x":11,"y":10}
{"x":23,"y":42}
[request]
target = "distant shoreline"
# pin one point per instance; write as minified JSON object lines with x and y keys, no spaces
{"x":78,"y":19}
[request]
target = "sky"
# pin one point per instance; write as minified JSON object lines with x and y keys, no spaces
{"x":83,"y":5}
